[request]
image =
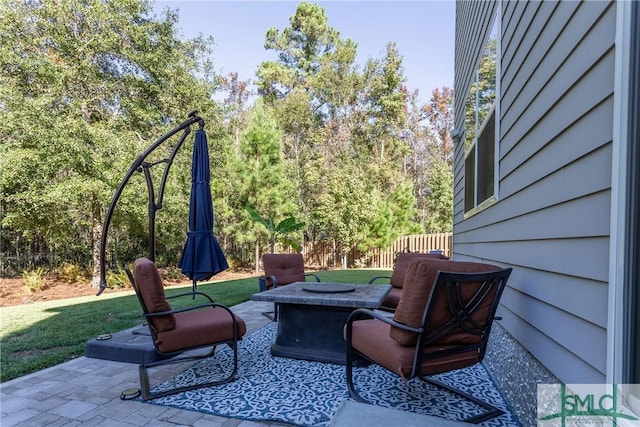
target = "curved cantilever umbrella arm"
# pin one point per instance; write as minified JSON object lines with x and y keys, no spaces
{"x":136,"y":166}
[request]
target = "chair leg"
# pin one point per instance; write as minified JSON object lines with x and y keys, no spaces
{"x":273,"y":315}
{"x":144,"y":376}
{"x":349,"y":374}
{"x":491,"y":411}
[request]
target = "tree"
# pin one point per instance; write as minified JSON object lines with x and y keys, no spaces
{"x":439,"y":114}
{"x":430,"y":163}
{"x":439,"y":202}
{"x":261,"y":168}
{"x":336,"y":116}
{"x":236,"y":106}
{"x":289,"y":85}
{"x":385,"y":108}
{"x":344,"y":208}
{"x":394,"y":217}
{"x":86,"y":86}
{"x":301,"y":48}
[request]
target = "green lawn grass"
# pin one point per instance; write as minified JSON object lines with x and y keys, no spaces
{"x":43,"y":334}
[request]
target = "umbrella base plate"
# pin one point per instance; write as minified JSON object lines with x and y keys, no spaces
{"x":132,"y":345}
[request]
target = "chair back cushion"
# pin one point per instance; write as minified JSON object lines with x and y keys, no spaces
{"x":286,"y":268}
{"x":151,"y":291}
{"x":419,"y":281}
{"x":402,"y":266}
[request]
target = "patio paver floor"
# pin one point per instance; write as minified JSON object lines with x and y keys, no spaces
{"x":86,"y":392}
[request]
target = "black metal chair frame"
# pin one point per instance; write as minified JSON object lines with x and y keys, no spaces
{"x":262,"y":282}
{"x":461,"y":312}
{"x":175,"y":356}
{"x":371,"y":282}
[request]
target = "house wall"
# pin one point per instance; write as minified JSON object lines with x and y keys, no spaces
{"x":552,"y":218}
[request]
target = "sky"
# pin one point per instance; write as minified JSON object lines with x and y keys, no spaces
{"x":422,"y":30}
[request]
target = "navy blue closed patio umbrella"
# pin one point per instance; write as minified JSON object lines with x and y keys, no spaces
{"x":202,"y":256}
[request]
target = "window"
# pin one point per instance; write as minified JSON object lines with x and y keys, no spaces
{"x":480,"y":129}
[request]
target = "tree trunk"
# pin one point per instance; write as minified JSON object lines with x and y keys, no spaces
{"x":257,"y":256}
{"x":335,"y":253}
{"x":96,"y":234}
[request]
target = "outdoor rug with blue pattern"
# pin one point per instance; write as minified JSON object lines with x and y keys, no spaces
{"x":307,"y":393}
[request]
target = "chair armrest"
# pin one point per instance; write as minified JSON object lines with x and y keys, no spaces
{"x":364,"y":313}
{"x":190,"y":308}
{"x":262,"y":283}
{"x":379,"y":277}
{"x":190,"y":294}
{"x":312,"y":274}
{"x":274,"y":281}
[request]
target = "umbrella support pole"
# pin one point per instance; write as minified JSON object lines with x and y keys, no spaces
{"x":141,"y":165}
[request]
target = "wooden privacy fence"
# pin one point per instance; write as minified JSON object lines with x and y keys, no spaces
{"x":324,"y":254}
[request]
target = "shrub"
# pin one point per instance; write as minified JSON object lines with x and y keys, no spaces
{"x":118,"y":279}
{"x":233,"y":263}
{"x":33,"y":280}
{"x":70,"y":273}
{"x":172,"y":274}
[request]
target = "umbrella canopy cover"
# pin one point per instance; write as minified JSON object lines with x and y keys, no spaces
{"x":202,"y":256}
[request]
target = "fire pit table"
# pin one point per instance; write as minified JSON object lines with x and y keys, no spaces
{"x":312,"y":315}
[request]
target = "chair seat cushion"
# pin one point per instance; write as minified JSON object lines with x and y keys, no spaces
{"x":198,"y":328}
{"x":371,"y":337}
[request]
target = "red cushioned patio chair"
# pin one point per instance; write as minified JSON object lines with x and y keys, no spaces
{"x":281,"y":270}
{"x":177,"y":331}
{"x":442,"y":323}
